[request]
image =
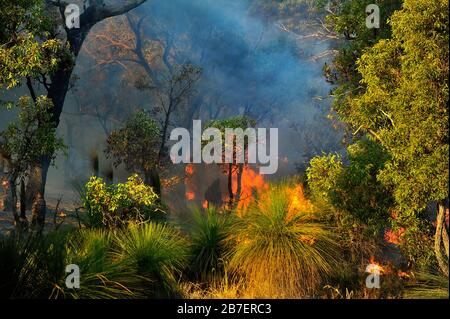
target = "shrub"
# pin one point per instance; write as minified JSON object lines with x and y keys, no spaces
{"x":102,"y":276}
{"x":282,"y":249}
{"x":30,"y":263}
{"x":114,"y":205}
{"x":209,"y":233}
{"x":33,"y":266}
{"x":157,"y":252}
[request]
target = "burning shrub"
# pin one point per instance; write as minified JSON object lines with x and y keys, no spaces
{"x":282,"y":249}
{"x":113,"y":205}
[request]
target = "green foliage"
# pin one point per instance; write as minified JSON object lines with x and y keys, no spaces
{"x":24,"y":142}
{"x":115,"y":205}
{"x":136,"y":145}
{"x":393,"y":88}
{"x":405,"y":104}
{"x":209,"y":234}
{"x":240,"y":121}
{"x":30,"y":264}
{"x":416,"y":242}
{"x":133,"y":263}
{"x":158,"y":252}
{"x":27,"y":48}
{"x":347,"y":20}
{"x":237,"y":122}
{"x":353,"y":188}
{"x":101,"y":275}
{"x":282,"y":251}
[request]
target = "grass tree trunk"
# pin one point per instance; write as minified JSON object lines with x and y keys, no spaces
{"x":441,"y":239}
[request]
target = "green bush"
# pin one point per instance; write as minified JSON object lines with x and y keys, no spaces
{"x":157,"y":252}
{"x":115,"y":205}
{"x":30,"y":264}
{"x":209,"y":246}
{"x":101,"y":275}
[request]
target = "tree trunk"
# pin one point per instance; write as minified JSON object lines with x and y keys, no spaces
{"x":230,"y":186}
{"x":33,"y":186}
{"x":439,"y":237}
{"x":13,"y":195}
{"x":23,"y":217}
{"x":39,"y":176}
{"x":151,"y":178}
{"x":38,"y":213}
{"x":239,"y":182}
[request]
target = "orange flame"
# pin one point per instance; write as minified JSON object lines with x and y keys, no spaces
{"x":190,"y":195}
{"x":250,"y":182}
{"x":394,"y":237}
{"x":5,"y":183}
{"x":298,"y":201}
{"x":376,"y":267}
{"x":205,"y":204}
{"x":189,"y":170}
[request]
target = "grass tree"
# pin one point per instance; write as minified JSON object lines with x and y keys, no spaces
{"x":281,"y":247}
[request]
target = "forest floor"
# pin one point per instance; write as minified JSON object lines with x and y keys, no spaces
{"x":63,"y":218}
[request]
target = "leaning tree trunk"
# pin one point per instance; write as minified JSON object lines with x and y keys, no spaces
{"x":441,"y":236}
{"x":60,"y":81}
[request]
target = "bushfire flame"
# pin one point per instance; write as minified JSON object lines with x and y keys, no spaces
{"x":375,"y":267}
{"x":250,"y":182}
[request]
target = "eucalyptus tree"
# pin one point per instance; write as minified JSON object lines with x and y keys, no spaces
{"x":39,"y":48}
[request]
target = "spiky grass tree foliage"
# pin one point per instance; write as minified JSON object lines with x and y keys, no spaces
{"x":282,"y":249}
{"x":101,"y":275}
{"x":34,"y":267}
{"x":157,"y":252}
{"x":30,"y":263}
{"x":209,"y":247}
